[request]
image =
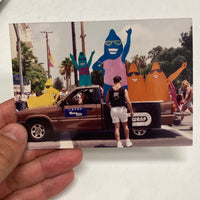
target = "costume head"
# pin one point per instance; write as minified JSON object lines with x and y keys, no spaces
{"x":82,"y":60}
{"x":133,"y":74}
{"x":48,"y":84}
{"x":157,"y":84}
{"x":113,"y":45}
{"x":136,"y":84}
{"x":156,"y":72}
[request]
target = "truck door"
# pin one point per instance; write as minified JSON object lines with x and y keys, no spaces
{"x":80,"y":112}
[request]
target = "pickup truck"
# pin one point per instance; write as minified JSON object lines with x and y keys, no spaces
{"x":83,"y":110}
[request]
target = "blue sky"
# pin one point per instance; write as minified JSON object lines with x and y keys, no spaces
{"x":146,"y":34}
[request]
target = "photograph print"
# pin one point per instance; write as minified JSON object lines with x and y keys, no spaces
{"x":104,"y":84}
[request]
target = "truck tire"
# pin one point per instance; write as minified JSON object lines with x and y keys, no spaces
{"x":139,"y":132}
{"x":38,"y":130}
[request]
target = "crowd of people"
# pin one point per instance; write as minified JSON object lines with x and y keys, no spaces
{"x":21,"y":99}
{"x":187,"y":101}
{"x":183,"y":97}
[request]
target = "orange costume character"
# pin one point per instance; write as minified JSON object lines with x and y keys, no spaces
{"x":157,"y":83}
{"x":136,"y":84}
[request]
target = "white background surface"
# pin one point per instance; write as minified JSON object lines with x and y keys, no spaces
{"x":135,"y":174}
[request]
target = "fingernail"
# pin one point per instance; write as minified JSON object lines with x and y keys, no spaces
{"x":16,"y":136}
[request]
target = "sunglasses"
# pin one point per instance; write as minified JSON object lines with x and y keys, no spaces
{"x":109,"y":43}
{"x":131,"y":73}
{"x":158,"y":70}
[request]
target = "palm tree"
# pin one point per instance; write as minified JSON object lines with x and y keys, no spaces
{"x":27,"y":57}
{"x":66,"y":68}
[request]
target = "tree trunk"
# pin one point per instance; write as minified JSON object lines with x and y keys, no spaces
{"x":67,"y":85}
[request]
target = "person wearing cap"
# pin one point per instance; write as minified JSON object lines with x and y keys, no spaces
{"x":117,"y":95}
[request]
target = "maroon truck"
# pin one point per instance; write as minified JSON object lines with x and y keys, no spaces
{"x":83,"y":110}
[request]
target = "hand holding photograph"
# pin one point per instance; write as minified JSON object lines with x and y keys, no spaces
{"x":65,"y":89}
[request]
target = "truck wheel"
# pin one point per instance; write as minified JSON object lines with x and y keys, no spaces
{"x":38,"y":130}
{"x":139,"y":133}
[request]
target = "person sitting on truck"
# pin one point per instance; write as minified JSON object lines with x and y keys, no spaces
{"x":117,"y":96}
{"x":87,"y":97}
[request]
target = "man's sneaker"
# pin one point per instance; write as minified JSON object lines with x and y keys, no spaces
{"x":128,"y":143}
{"x":119,"y":144}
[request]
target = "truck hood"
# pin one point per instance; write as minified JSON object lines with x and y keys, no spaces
{"x":24,"y":114}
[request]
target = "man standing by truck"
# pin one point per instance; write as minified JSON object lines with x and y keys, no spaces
{"x":117,"y":96}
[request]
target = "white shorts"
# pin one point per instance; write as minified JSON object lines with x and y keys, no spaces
{"x":119,"y":114}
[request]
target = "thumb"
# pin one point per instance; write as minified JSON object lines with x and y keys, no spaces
{"x":13,"y":140}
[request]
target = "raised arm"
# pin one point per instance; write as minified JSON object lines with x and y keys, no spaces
{"x":176,"y":73}
{"x":90,"y":60}
{"x":74,"y":62}
{"x":127,"y":45}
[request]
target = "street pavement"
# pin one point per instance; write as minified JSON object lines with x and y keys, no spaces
{"x":186,"y":125}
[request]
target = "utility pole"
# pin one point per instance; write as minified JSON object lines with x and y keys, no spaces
{"x":74,"y":51}
{"x":83,"y":35}
{"x":47,"y":46}
{"x":19,"y":58}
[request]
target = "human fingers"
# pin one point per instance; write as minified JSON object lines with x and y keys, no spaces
{"x":41,"y":168}
{"x":13,"y":140}
{"x":7,"y":113}
{"x":44,"y":190}
{"x":31,"y":154}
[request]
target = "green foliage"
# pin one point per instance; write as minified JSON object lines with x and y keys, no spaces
{"x":58,"y":84}
{"x":155,"y":51}
{"x":140,"y":61}
{"x":186,"y":40}
{"x":15,"y":66}
{"x":36,"y":75}
{"x":66,"y":68}
{"x":69,"y":67}
{"x":27,"y":57}
{"x":145,"y":70}
{"x":171,"y":59}
{"x":97,"y":78}
{"x":32,"y":71}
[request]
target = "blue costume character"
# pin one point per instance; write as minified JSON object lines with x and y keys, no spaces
{"x":113,"y":60}
{"x":83,"y":68}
